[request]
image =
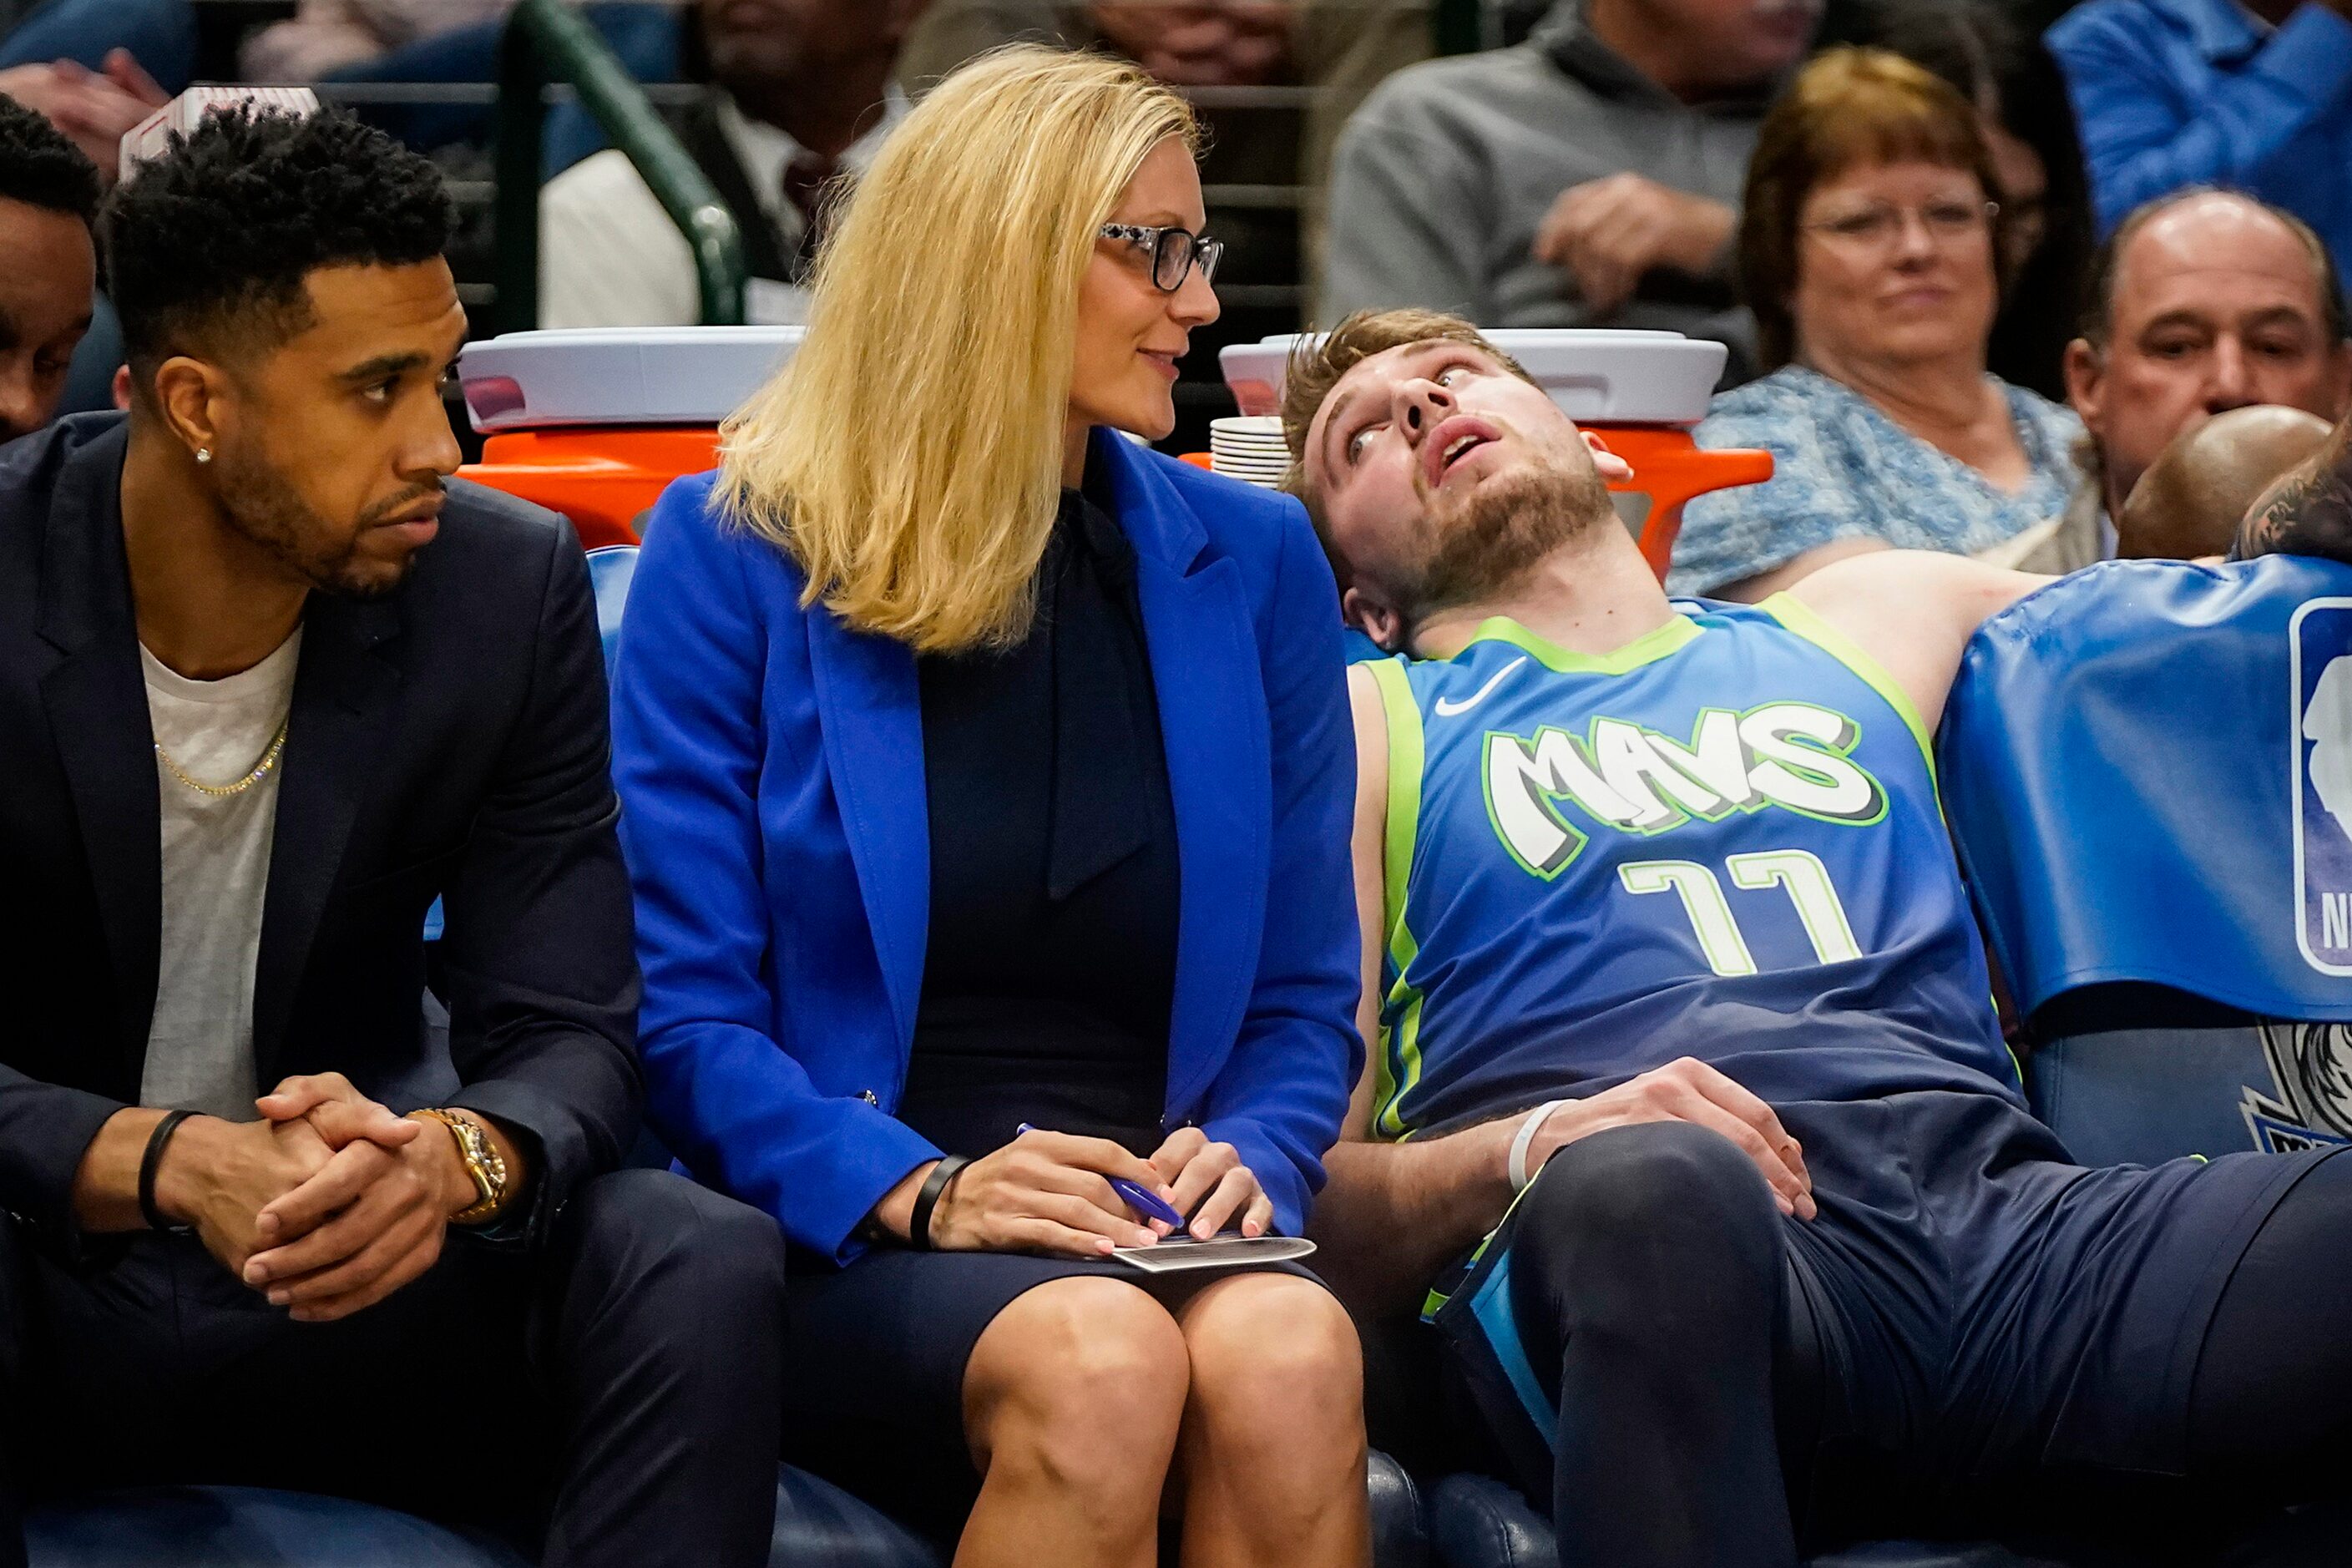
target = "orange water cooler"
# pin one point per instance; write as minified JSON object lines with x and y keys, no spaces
{"x":595,"y":423}
{"x":1640,"y":392}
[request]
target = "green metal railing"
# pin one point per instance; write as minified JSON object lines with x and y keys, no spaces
{"x":1457,"y":26}
{"x":545,"y":43}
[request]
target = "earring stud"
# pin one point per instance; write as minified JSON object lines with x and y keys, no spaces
{"x":203,"y":454}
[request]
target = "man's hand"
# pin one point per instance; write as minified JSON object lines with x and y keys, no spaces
{"x":219,"y":1176}
{"x":1609,"y":232}
{"x":1199,"y":43}
{"x":1211,"y":1176}
{"x":1689,"y":1090}
{"x":92,"y":109}
{"x":373,"y":1217}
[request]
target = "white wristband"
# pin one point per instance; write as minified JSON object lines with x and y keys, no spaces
{"x":1521,"y":1175}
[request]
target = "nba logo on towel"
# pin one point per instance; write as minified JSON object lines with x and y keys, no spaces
{"x":2321,"y":636}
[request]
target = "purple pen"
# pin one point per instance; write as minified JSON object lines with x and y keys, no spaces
{"x":1144,"y":1201}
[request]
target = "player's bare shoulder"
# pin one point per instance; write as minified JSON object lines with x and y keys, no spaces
{"x":1913,"y":610}
{"x":1911,"y":593}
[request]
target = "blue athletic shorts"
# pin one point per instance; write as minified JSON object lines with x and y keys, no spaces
{"x":1983,"y":1306}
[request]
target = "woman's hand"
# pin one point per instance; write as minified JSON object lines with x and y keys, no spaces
{"x":1043,"y":1192}
{"x":1193,"y":1171}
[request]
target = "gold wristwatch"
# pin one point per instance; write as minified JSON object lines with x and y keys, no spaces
{"x":483,"y":1164}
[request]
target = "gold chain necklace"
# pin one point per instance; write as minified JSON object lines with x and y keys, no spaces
{"x":260,"y":769}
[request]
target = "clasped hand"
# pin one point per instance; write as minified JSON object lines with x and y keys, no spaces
{"x":1608,"y":232}
{"x":330,"y":1204}
{"x":1051,"y":1191}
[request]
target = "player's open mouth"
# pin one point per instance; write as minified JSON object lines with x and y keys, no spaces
{"x":1450,"y":443}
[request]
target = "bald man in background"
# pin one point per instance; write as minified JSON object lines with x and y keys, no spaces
{"x":2200,"y":303}
{"x":2189,"y":502}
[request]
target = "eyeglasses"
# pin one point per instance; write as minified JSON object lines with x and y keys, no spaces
{"x":1879,"y":225}
{"x":1174,"y":252}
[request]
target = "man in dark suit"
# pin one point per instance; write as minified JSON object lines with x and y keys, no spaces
{"x":270,"y":683}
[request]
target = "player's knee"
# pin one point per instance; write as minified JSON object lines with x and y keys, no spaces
{"x":1649,"y":1207}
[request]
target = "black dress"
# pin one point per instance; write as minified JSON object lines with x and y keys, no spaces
{"x":1047,"y":980}
{"x":1051,"y":964}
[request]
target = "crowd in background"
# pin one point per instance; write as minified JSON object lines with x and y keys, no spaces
{"x":2032,"y":290}
{"x":1621,"y":163}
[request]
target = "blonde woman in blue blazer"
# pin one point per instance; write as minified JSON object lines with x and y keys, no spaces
{"x":987,"y":783}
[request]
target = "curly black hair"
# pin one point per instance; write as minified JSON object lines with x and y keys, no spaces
{"x":40,"y":168}
{"x":223,"y":229}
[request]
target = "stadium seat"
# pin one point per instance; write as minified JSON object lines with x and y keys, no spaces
{"x":2139,"y":1095}
{"x":2132,"y":765}
{"x":817,"y":1526}
{"x":610,"y":569}
{"x":244,"y":1527}
{"x":1477,"y":1521}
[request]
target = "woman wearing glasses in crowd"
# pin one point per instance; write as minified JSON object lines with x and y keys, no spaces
{"x":1872,"y":251}
{"x":2009,"y":79}
{"x":984,"y":772}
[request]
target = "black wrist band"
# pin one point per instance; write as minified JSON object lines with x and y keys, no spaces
{"x":148,"y":1163}
{"x":918,"y":1222}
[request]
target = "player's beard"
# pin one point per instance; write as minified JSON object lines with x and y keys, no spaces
{"x":1504,"y":529}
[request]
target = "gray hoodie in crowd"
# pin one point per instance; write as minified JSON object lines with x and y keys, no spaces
{"x":1440,"y":180}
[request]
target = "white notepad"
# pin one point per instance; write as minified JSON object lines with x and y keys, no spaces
{"x":1182,"y":1252}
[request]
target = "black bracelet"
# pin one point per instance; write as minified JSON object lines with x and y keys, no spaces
{"x":918,"y":1221}
{"x":148,"y":1163}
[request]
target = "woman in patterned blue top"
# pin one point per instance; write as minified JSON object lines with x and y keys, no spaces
{"x":1870,"y":250}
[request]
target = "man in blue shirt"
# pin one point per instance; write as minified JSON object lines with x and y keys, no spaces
{"x":2256,"y":96}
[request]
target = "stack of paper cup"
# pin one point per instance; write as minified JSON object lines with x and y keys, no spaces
{"x":1249,"y":448}
{"x":152,"y":137}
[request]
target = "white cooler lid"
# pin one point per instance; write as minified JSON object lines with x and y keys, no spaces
{"x":618,"y":375}
{"x":1597,"y":375}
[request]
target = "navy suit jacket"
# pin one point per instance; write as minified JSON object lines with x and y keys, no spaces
{"x":449,"y":739}
{"x":770,"y":761}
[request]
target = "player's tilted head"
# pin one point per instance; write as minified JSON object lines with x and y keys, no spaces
{"x":1436,"y":472}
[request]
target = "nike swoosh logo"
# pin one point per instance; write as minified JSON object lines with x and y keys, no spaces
{"x":1447,"y":707}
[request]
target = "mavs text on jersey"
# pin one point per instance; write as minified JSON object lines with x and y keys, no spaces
{"x":1722,"y":840}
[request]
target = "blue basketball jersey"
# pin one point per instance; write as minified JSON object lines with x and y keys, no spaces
{"x":1722,"y":841}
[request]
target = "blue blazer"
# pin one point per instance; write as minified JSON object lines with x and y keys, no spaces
{"x":770,"y":761}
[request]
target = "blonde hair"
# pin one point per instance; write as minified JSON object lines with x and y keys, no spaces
{"x":908,"y":459}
